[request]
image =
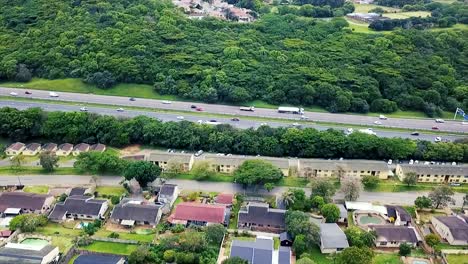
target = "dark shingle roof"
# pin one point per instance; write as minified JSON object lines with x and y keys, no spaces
{"x":22,"y":200}
{"x":260,"y":213}
{"x":284,"y":255}
{"x":95,"y":258}
{"x":435,"y":169}
{"x":77,"y":191}
{"x":98,"y":147}
{"x":396,"y":233}
{"x":49,"y":147}
{"x":77,"y":205}
{"x":457,"y":226}
{"x":136,"y":212}
{"x":81,"y":147}
{"x":259,"y":251}
{"x":167,"y":189}
{"x":404,"y":215}
{"x":331,"y":236}
{"x":285,"y":236}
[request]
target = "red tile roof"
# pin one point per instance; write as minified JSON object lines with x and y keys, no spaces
{"x":198,"y":212}
{"x":224,"y":198}
{"x":16,"y":146}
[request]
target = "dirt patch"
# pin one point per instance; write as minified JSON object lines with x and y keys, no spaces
{"x":130,"y":150}
{"x":57,"y":191}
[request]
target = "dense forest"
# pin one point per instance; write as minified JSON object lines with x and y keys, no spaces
{"x":279,"y":58}
{"x":76,"y":127}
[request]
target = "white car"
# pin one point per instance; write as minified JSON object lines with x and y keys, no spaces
{"x":120,"y":109}
{"x":303,"y":117}
{"x":437,"y":139}
{"x":382,"y":117}
{"x":438,"y":120}
{"x":53,"y":94}
{"x":13,"y":94}
{"x":296,"y":124}
{"x":377,"y":122}
{"x":180,"y":117}
{"x":166,"y":102}
{"x":263,"y":124}
{"x":390,"y":162}
{"x":84,"y":109}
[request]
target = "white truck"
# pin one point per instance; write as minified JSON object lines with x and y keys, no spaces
{"x":368,"y":131}
{"x":290,"y":110}
{"x":247,"y":108}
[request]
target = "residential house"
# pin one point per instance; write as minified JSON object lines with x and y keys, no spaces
{"x":168,"y":194}
{"x":434,"y":172}
{"x":343,"y":214}
{"x":260,"y":251}
{"x":94,"y":258}
{"x":225,"y":198}
{"x":312,"y":168}
{"x":98,"y":148}
{"x":80,"y":148}
{"x":79,"y":191}
{"x":389,"y":236}
{"x":28,"y":254}
{"x":366,"y":17}
{"x":162,"y":159}
{"x":32,"y":149}
{"x":49,"y":147}
{"x":399,"y":215}
{"x":79,"y":207}
{"x":454,"y":229}
{"x":25,"y":202}
{"x":15,"y":149}
{"x":259,"y":217}
{"x":64,"y":149}
{"x":286,"y":239}
{"x":199,"y":214}
{"x":332,"y":238}
{"x":133,"y":213}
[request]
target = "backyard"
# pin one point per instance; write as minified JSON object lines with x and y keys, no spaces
{"x":457,"y":259}
{"x":110,"y":247}
{"x":110,"y":190}
{"x":145,"y":238}
{"x":40,"y":189}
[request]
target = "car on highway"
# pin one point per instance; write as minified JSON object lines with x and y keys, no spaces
{"x":132,"y":99}
{"x":199,"y":109}
{"x":263,"y":124}
{"x":193,"y":106}
{"x":377,"y":122}
{"x":213,"y":120}
{"x":120,"y":109}
{"x":438,"y":120}
{"x":303,"y":117}
{"x":180,"y":117}
{"x":13,"y":94}
{"x":382,"y":117}
{"x":437,"y":139}
{"x":435,"y":128}
{"x":166,"y":102}
{"x":296,"y":124}
{"x":198,"y":153}
{"x":84,"y":109}
{"x":27,"y":92}
{"x":53,"y":94}
{"x":235,"y":119}
{"x":415,"y":133}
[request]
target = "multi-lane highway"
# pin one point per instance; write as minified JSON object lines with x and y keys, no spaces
{"x":416,"y":124}
{"x":242,"y":123}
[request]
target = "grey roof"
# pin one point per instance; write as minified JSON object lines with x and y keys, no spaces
{"x":284,"y":255}
{"x":78,"y":191}
{"x":97,"y":258}
{"x":16,"y":146}
{"x":165,"y":157}
{"x":33,"y":146}
{"x":260,"y":213}
{"x":395,"y":233}
{"x":332,"y":236}
{"x":65,"y":147}
{"x":343,"y":211}
{"x":136,"y":212}
{"x":404,"y":215}
{"x":98,"y":147}
{"x":345,"y":165}
{"x":81,"y":147}
{"x":23,"y":256}
{"x":49,"y":147}
{"x":22,"y":200}
{"x":236,"y":160}
{"x":285,"y":236}
{"x":457,"y":226}
{"x":77,"y":204}
{"x":422,"y":169}
{"x":168,"y":189}
{"x":259,"y":251}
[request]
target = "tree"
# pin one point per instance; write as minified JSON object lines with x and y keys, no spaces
{"x":143,"y":255}
{"x":17,"y":162}
{"x":295,"y":199}
{"x":254,"y":172}
{"x":288,"y":197}
{"x":48,"y":161}
{"x":405,"y":249}
{"x":299,"y":245}
{"x":351,"y":188}
{"x":97,"y":162}
{"x":331,"y":212}
{"x":215,"y":233}
{"x":169,"y":256}
{"x":422,"y":202}
{"x":432,"y":240}
{"x":441,"y":196}
{"x":27,"y":222}
{"x":101,"y":79}
{"x":305,"y":260}
{"x":360,"y":238}
{"x":235,"y":260}
{"x":269,"y":186}
{"x":173,"y":168}
{"x":322,"y":187}
{"x":317,"y":202}
{"x":203,"y":170}
{"x":355,"y":255}
{"x":370,"y":182}
{"x":410,"y":178}
{"x":142,"y":171}
{"x":298,"y":223}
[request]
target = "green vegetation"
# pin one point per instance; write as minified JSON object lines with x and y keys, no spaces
{"x":37,"y":171}
{"x":41,"y":189}
{"x":145,"y":238}
{"x":456,"y":259}
{"x":63,"y":243}
{"x":110,"y":247}
{"x":387,"y":259}
{"x":110,"y":190}
{"x":57,"y":229}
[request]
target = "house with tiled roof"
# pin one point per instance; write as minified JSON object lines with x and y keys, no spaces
{"x":260,"y":251}
{"x":453,"y":228}
{"x":79,"y":207}
{"x":225,"y":198}
{"x":64,"y":149}
{"x":260,"y":217}
{"x":131,"y":213}
{"x":389,"y":236}
{"x":15,"y":149}
{"x":49,"y":147}
{"x":32,"y":149}
{"x":187,"y":213}
{"x":399,"y":215}
{"x":98,"y":147}
{"x":332,"y":238}
{"x":168,"y":194}
{"x":25,"y":202}
{"x":80,"y":148}
{"x":28,"y":254}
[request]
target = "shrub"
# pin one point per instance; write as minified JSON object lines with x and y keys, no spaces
{"x":82,"y":241}
{"x":115,"y":199}
{"x":113,"y":235}
{"x":169,"y":256}
{"x":178,"y":229}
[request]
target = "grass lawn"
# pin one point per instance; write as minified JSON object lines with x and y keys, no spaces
{"x":41,"y":189}
{"x":219,"y":177}
{"x":425,"y":216}
{"x":457,"y":259}
{"x":365,"y":8}
{"x":38,"y":170}
{"x":110,"y":190}
{"x":448,"y":246}
{"x":57,"y":229}
{"x":63,"y":243}
{"x":128,"y":236}
{"x":318,"y":257}
{"x":395,"y":185}
{"x":350,"y":219}
{"x":403,"y":15}
{"x":110,"y":247}
{"x":293,"y":182}
{"x":387,"y":259}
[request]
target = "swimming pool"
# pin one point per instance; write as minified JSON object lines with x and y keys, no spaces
{"x":365,"y":220}
{"x":35,"y":242}
{"x":419,"y":262}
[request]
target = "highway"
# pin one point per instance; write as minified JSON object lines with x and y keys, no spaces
{"x":416,"y":124}
{"x":242,"y":123}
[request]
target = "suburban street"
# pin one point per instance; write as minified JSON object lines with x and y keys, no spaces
{"x":401,"y":198}
{"x":242,"y":123}
{"x":426,"y":124}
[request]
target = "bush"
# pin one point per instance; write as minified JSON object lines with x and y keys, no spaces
{"x":83,"y":241}
{"x":370,"y":182}
{"x":115,"y":199}
{"x":405,"y":249}
{"x":113,"y":235}
{"x":169,"y":256}
{"x":177,"y":229}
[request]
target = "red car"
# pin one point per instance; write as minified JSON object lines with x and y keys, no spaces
{"x":435,"y":128}
{"x":199,"y":109}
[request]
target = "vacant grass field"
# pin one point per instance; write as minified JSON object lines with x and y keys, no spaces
{"x":37,"y":170}
{"x":41,"y":189}
{"x":110,"y":190}
{"x":365,"y":8}
{"x":109,"y":247}
{"x":457,"y":259}
{"x":402,"y":15}
{"x":128,"y":236}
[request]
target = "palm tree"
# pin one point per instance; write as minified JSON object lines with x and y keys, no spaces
{"x":288,"y":198}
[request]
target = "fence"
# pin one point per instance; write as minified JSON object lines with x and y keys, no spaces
{"x":116,"y":240}
{"x":74,"y":251}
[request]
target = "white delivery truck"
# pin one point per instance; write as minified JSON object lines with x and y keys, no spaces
{"x":247,"y":108}
{"x":290,"y":110}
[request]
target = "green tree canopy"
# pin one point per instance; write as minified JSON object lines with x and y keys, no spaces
{"x":331,"y":212}
{"x":255,"y":172}
{"x":355,"y":255}
{"x":142,"y":171}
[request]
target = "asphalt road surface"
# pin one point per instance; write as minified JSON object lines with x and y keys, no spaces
{"x":416,"y":124}
{"x":242,"y":123}
{"x":398,"y":198}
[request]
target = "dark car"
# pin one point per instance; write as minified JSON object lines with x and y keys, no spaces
{"x":132,"y":99}
{"x":193,"y":106}
{"x":199,"y":109}
{"x":415,"y":133}
{"x":27,"y":92}
{"x":435,"y":128}
{"x":213,"y":120}
{"x":235,"y":119}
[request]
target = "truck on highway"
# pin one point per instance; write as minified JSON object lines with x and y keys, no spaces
{"x":368,"y":131}
{"x":247,"y":108}
{"x":290,"y":110}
